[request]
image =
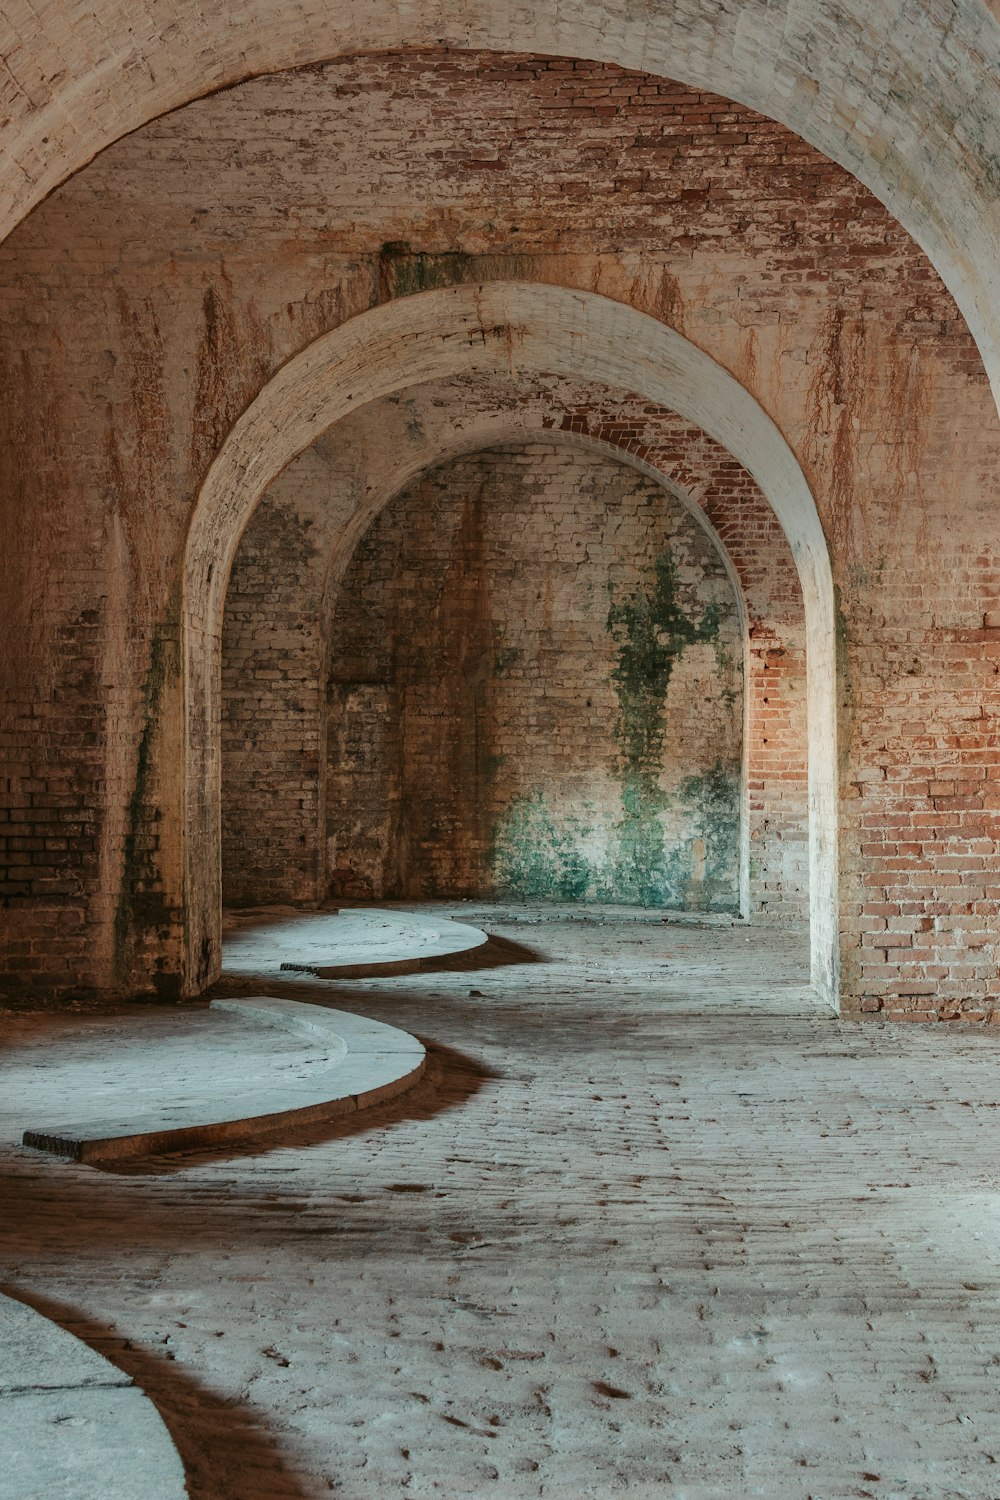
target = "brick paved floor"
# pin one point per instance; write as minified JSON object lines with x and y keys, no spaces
{"x":631,"y":1234}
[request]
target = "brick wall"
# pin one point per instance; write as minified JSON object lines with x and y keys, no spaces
{"x":268,"y":820}
{"x":774,"y":658}
{"x":272,"y":737}
{"x":549,"y":650}
{"x":146,"y":301}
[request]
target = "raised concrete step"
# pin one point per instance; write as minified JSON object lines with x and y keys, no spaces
{"x":72,"y":1425}
{"x":350,"y":1064}
{"x":351,"y":943}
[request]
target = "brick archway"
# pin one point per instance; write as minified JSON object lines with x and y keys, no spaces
{"x":903,"y":99}
{"x":499,"y":326}
{"x":753,"y":550}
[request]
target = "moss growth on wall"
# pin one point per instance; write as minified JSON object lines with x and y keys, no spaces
{"x":403,"y":271}
{"x":535,"y":860}
{"x":640,"y":871}
{"x":539,"y":856}
{"x":714,"y":797}
{"x":535,"y":668}
{"x":650,"y":631}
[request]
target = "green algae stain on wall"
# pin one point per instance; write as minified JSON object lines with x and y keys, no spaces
{"x":534,"y":859}
{"x":602,"y":643}
{"x":402,"y":271}
{"x":651,"y":632}
{"x":640,"y":871}
{"x":714,"y":798}
{"x":697,"y":872}
{"x":627,"y":855}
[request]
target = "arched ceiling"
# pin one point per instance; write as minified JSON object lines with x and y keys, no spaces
{"x":466,"y":329}
{"x":362,"y":462}
{"x":904,"y":93}
{"x":494,"y":327}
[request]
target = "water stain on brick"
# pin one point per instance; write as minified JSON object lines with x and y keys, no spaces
{"x":466,"y":681}
{"x":270,"y":681}
{"x":143,"y":910}
{"x":136,"y":438}
{"x":846,"y":701}
{"x":534,"y":858}
{"x":403,"y":271}
{"x":232,"y":363}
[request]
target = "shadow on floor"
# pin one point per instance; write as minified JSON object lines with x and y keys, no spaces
{"x":495,"y":953}
{"x":226,"y":1453}
{"x":448,"y":1081}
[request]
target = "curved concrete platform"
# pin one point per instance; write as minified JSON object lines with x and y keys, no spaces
{"x":72,"y":1425}
{"x":353,"y":943}
{"x":348,"y":1063}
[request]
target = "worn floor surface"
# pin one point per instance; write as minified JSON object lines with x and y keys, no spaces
{"x":632,"y":1233}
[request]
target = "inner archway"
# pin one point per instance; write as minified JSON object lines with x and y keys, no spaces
{"x":498,"y":326}
{"x":536,"y":691}
{"x":286,"y":582}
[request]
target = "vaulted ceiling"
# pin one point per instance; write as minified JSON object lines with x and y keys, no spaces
{"x":904,"y":93}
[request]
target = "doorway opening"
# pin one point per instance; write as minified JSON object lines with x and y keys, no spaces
{"x":550,"y":328}
{"x":535,"y":692}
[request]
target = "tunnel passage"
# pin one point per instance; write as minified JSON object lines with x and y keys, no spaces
{"x":288,"y":591}
{"x":339,"y":501}
{"x":535,"y":691}
{"x":722,"y":228}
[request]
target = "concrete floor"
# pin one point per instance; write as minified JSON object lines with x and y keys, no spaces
{"x":631,"y":1233}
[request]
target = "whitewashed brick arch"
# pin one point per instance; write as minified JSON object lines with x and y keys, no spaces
{"x":500,"y":327}
{"x":903,"y":93}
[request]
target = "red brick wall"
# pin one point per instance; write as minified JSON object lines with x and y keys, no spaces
{"x":271,"y":835}
{"x":145,"y":302}
{"x":477,"y":618}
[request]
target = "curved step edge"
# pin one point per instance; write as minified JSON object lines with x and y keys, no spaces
{"x":375,"y":1063}
{"x":72,"y":1423}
